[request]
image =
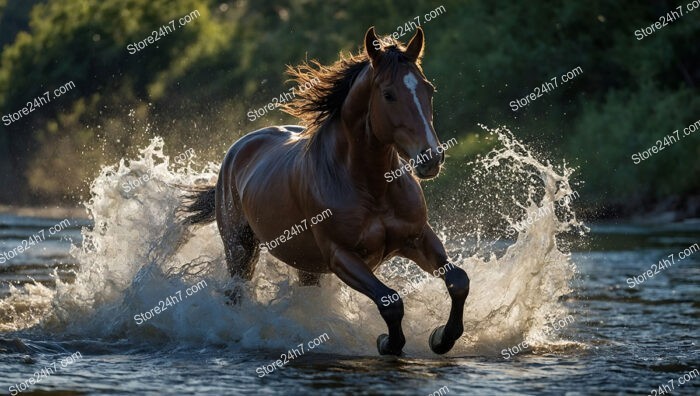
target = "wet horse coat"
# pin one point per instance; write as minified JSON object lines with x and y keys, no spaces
{"x":365,"y":115}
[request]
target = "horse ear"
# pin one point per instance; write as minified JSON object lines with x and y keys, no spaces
{"x":372,"y":45}
{"x":414,"y":50}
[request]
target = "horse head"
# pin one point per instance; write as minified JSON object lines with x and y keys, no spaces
{"x":401,"y":102}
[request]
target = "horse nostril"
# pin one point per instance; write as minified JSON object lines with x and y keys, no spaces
{"x":425,"y":157}
{"x":429,"y":158}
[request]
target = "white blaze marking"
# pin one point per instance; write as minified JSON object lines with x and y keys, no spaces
{"x":411,"y":83}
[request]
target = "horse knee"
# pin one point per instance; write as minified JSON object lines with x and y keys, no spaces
{"x":457,"y":283}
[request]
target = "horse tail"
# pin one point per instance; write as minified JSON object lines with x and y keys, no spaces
{"x":200,"y":204}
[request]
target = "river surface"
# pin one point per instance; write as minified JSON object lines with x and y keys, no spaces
{"x":622,"y":340}
{"x":133,"y":301}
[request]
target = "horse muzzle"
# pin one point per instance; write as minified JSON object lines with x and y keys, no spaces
{"x":428,"y":163}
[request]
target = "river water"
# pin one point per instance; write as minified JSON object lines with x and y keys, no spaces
{"x":132,"y":302}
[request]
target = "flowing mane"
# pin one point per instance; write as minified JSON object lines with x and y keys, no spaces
{"x":330,"y":85}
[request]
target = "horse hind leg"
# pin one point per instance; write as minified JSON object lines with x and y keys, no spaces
{"x":242,"y":251}
{"x":240,"y":243}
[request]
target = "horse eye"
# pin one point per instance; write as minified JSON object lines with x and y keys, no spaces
{"x":389,"y":96}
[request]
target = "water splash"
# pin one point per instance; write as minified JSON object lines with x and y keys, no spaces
{"x":138,"y":254}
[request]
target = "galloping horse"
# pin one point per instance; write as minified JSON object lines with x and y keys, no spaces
{"x":366,"y":115}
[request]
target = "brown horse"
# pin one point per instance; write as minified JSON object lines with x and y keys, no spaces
{"x":366,"y":115}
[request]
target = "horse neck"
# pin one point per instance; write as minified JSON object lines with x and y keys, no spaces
{"x":367,"y":158}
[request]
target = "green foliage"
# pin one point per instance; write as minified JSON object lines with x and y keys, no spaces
{"x":195,"y":85}
{"x":608,"y":133}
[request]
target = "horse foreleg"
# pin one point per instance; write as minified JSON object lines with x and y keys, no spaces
{"x":355,"y":273}
{"x":429,"y":254}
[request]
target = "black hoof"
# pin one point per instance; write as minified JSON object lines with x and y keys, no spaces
{"x":436,"y":341}
{"x":383,"y":346}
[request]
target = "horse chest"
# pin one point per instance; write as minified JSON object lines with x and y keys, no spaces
{"x":370,"y":245}
{"x":383,"y":236}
